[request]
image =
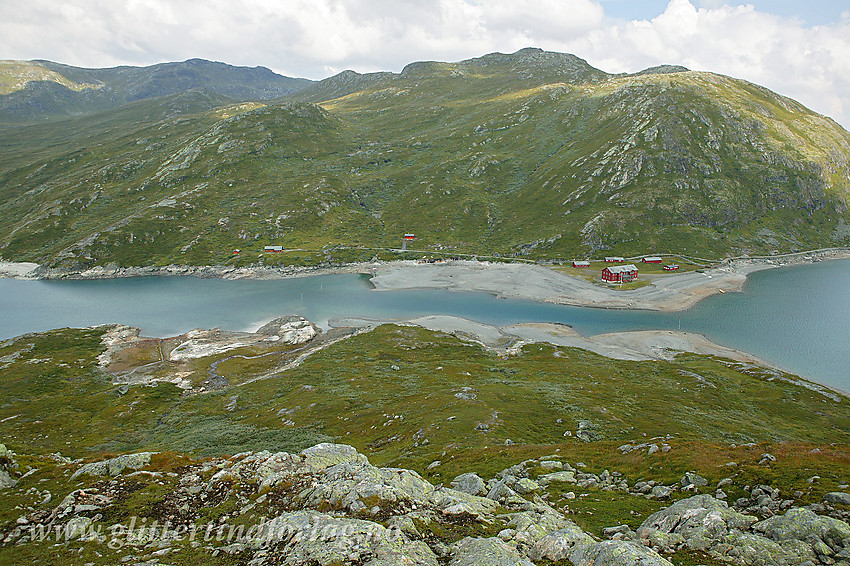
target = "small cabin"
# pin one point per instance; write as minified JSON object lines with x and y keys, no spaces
{"x":410,"y":236}
{"x":579,"y":263}
{"x":671,"y":267}
{"x":652,"y":259}
{"x":620,"y":273}
{"x":614,"y":259}
{"x":237,"y":251}
{"x":273,"y":249}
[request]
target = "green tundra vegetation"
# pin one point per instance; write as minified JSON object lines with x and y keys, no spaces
{"x":532,"y":154}
{"x":406,"y":397}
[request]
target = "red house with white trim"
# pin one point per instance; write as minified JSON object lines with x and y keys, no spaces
{"x":580,"y":263}
{"x":620,"y":273}
{"x":653,"y":259}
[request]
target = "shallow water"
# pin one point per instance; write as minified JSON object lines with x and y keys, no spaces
{"x":795,"y":317}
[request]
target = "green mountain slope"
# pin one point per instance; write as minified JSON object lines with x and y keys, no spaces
{"x":533,"y":154}
{"x":32,"y":91}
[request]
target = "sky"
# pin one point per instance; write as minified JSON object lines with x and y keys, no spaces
{"x":798,"y":48}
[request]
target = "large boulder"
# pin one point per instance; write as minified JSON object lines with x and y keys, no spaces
{"x":532,"y":525}
{"x":306,"y":538}
{"x":551,"y":465}
{"x":115,"y":466}
{"x":707,"y":524}
{"x":445,"y":498}
{"x":526,"y":486}
{"x":481,"y":551}
{"x":470,"y":483}
{"x":700,"y":522}
{"x":322,"y":456}
{"x":501,"y":492}
{"x":357,"y":486}
{"x":803,"y":525}
{"x":557,"y":477}
{"x":753,"y":549}
{"x":6,"y":480}
{"x":837,"y":497}
{"x":617,"y":553}
{"x":561,"y":544}
{"x":264,"y":468}
{"x":693,"y":479}
{"x":290,"y":330}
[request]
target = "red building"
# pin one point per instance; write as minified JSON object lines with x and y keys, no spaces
{"x":653,"y":259}
{"x":671,"y":267}
{"x":614,"y":259}
{"x":620,"y":273}
{"x":579,"y":263}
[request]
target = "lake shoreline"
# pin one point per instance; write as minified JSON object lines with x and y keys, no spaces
{"x":520,"y":281}
{"x":534,"y":282}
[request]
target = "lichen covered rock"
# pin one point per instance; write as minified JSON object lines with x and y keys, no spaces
{"x":490,"y":551}
{"x":115,"y":466}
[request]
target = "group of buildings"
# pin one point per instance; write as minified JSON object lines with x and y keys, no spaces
{"x":620,"y":273}
{"x":624,"y":272}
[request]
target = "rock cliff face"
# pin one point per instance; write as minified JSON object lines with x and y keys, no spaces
{"x":328,"y":505}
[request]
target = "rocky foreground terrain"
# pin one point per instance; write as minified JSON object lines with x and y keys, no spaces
{"x":400,"y":444}
{"x":328,"y":505}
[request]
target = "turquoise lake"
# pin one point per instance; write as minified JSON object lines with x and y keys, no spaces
{"x":795,"y":317}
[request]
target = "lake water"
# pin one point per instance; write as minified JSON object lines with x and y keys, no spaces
{"x":795,"y":317}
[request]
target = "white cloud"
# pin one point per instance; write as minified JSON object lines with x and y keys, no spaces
{"x":315,"y":38}
{"x":811,"y":64}
{"x":299,"y":35}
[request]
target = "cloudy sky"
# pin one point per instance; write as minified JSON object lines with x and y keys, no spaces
{"x":800,"y":48}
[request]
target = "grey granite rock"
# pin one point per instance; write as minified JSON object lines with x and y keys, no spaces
{"x":469,"y":483}
{"x":485,"y":551}
{"x":617,"y":553}
{"x":115,"y":466}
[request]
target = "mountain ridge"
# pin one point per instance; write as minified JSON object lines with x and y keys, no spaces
{"x":86,"y":91}
{"x":531,"y":154}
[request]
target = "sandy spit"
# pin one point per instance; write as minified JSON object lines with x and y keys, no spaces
{"x":667,"y":293}
{"x":636,"y":346}
{"x":509,"y":280}
{"x":640,"y":345}
{"x":542,"y":284}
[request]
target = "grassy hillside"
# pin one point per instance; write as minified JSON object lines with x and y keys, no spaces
{"x":411,"y":397}
{"x":402,"y":395}
{"x":533,"y":154}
